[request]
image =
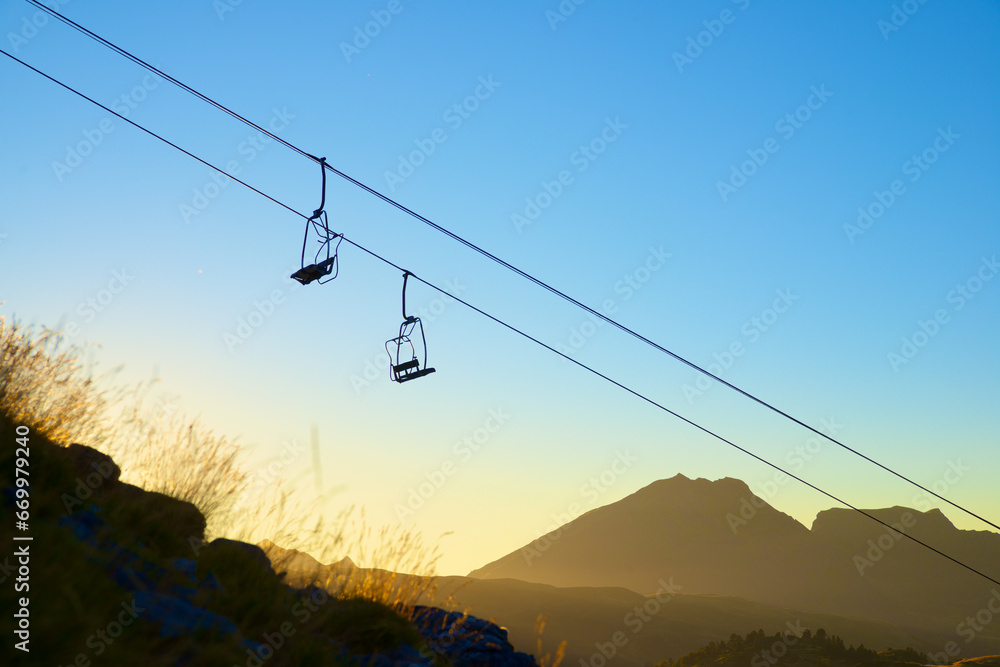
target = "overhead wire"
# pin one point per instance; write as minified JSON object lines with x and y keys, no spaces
{"x":664,"y":408}
{"x":149,"y":132}
{"x":142,"y":63}
{"x":531,"y":338}
{"x":511,"y":267}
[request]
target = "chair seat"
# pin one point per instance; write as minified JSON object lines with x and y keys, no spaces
{"x":414,"y":375}
{"x":406,"y":366}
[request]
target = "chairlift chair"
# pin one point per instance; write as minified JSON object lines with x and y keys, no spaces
{"x":318,"y":222}
{"x":404,"y":363}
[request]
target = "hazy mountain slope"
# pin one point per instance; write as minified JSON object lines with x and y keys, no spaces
{"x":874,"y":569}
{"x":676,"y":527}
{"x":588,"y":617}
{"x":718,"y":538}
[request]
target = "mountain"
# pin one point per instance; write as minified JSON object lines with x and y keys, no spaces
{"x":717,"y":537}
{"x":691,"y":530}
{"x":288,"y":559}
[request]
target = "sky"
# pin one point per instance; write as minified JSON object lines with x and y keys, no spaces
{"x":802,"y":200}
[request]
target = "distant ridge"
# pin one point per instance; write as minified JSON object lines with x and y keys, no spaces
{"x":718,"y":537}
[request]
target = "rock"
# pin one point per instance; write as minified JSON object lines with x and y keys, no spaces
{"x":468,"y":641}
{"x":178,"y":517}
{"x":87,"y":461}
{"x":250,"y":551}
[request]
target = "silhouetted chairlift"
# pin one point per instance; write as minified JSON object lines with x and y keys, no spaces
{"x":318,"y":222}
{"x":404,"y":364}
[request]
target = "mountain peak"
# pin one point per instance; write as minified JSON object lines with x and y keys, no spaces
{"x":689,"y":527}
{"x":288,"y":559}
{"x":836,"y":520}
{"x":701,"y":484}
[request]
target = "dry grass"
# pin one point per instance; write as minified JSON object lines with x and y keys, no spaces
{"x":397,"y":567}
{"x":401,"y":565}
{"x":45,"y":385}
{"x":547,"y":659}
{"x":162,"y":449}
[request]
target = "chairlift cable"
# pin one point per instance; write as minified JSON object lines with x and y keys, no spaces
{"x":531,"y":338}
{"x":507,"y":265}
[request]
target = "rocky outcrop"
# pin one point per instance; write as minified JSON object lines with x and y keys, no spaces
{"x":467,"y":641}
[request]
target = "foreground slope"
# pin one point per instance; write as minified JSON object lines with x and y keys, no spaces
{"x":117,"y":575}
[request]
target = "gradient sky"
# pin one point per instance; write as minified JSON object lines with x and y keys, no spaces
{"x":739,"y":138}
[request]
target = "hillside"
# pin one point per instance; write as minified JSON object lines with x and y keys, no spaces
{"x":718,"y":538}
{"x":810,"y":649}
{"x":800,"y":647}
{"x":667,"y":623}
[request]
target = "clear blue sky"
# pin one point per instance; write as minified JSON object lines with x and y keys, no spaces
{"x":713,"y":159}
